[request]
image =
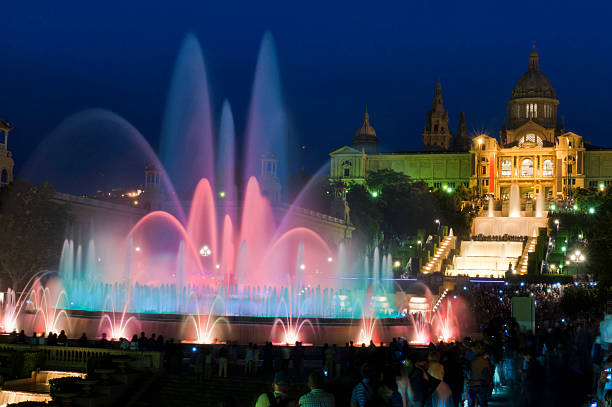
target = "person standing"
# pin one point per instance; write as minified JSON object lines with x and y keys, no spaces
{"x":365,"y":392}
{"x":480,"y":379}
{"x":248,"y":360}
{"x":317,"y":397}
{"x":279,"y":395}
{"x":223,"y":362}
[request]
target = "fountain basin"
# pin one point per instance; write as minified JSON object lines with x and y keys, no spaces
{"x":239,"y":328}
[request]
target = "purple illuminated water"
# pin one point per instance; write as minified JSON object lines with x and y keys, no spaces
{"x":217,"y":254}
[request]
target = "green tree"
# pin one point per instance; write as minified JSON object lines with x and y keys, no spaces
{"x":32,"y":228}
{"x":366,"y":215}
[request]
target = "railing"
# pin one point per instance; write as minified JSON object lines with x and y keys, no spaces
{"x":60,"y":196}
{"x":75,"y":359}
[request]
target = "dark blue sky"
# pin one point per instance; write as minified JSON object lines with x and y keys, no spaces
{"x":334,"y":56}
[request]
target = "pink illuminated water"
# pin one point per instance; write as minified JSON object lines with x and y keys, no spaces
{"x":213,"y":253}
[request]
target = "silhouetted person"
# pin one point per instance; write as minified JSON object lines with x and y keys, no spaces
{"x":62,"y":339}
{"x":142,"y":341}
{"x":82,"y":342}
{"x":104,"y":342}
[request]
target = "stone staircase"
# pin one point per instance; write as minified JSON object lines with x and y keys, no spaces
{"x":485,"y":259}
{"x":529,"y":248}
{"x":435,"y":262}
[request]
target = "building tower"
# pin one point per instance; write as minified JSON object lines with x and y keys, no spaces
{"x":437,"y":135}
{"x":152,"y":196}
{"x":268,"y":177}
{"x":462,"y":141}
{"x":365,"y":137}
{"x":534,"y":100}
{"x":6,"y":157}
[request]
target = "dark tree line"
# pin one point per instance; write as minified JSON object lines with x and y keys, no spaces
{"x":391,"y":208}
{"x":32,"y":230}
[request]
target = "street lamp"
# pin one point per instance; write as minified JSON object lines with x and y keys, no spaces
{"x":577,"y":257}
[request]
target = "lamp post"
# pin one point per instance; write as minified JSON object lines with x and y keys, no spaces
{"x":577,"y":258}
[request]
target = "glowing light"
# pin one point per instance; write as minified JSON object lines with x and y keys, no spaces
{"x":135,"y":202}
{"x":575,"y":207}
{"x":553,"y":207}
{"x":601,"y":187}
{"x":329,"y":259}
{"x":563,"y":249}
{"x":374,"y":194}
{"x":218,"y":266}
{"x":137,"y":248}
{"x":222,"y":194}
{"x":205,"y":251}
{"x":591,"y":210}
{"x":556,"y":221}
{"x":302,"y":266}
{"x":581,"y":257}
{"x":397,"y":263}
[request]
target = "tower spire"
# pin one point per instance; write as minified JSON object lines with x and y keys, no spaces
{"x":437,"y":135}
{"x":438,"y":103}
{"x":534,"y":59}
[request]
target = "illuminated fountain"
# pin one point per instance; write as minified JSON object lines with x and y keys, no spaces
{"x":540,"y":202}
{"x":211,"y":258}
{"x":514,"y":206}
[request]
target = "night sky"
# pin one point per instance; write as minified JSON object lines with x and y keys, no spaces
{"x":335,"y":57}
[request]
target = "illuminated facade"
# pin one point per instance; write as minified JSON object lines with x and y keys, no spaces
{"x":533,"y":149}
{"x":6,"y":157}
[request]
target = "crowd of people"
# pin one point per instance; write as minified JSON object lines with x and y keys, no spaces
{"x":562,"y":362}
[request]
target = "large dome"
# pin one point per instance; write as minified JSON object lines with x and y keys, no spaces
{"x":533,"y":83}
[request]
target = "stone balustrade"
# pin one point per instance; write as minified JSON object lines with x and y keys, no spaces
{"x":75,"y":358}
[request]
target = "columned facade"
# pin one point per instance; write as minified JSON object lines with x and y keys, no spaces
{"x":555,"y":170}
{"x":6,"y":157}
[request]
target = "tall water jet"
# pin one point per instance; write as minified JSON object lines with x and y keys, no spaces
{"x":65,"y":265}
{"x":91,"y":261}
{"x":540,"y":204}
{"x":491,"y":208}
{"x":515,"y":202}
{"x":180,"y":272}
{"x":267,"y":123}
{"x":226,"y":179}
{"x":186,"y":146}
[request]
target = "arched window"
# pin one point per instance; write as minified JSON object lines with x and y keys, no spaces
{"x":527,"y":168}
{"x":3,"y":177}
{"x":506,"y":168}
{"x":532,"y":138}
{"x":547,"y":168}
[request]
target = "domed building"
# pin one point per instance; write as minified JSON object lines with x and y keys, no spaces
{"x":533,"y":99}
{"x":365,"y":136}
{"x":533,"y":149}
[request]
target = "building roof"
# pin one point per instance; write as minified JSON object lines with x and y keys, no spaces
{"x":4,"y":125}
{"x":533,"y":83}
{"x":366,"y":133}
